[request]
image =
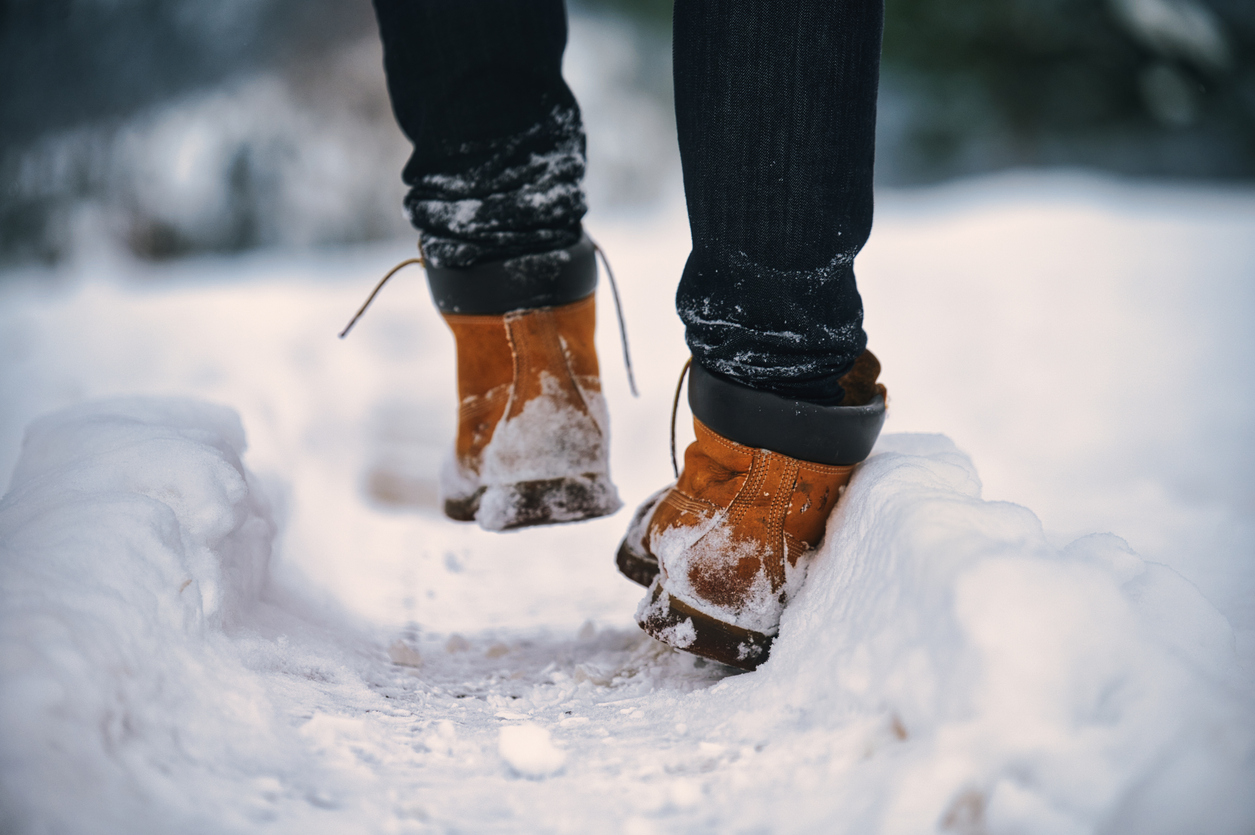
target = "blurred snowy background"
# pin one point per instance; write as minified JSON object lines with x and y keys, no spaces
{"x":177,"y":126}
{"x":1050,"y":629}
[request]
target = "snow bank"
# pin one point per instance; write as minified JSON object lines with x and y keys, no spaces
{"x":130,"y":537}
{"x":166,"y":468}
{"x":944,"y":669}
{"x":995,"y":683}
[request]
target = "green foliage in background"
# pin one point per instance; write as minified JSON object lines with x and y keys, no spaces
{"x":1062,"y":61}
{"x":655,"y":13}
{"x":1161,"y":87}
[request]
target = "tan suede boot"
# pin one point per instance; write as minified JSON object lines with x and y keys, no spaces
{"x":533,"y":442}
{"x":725,"y":547}
{"x":532,"y":445}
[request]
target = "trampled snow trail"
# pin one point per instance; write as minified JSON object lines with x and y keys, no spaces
{"x":188,"y":647}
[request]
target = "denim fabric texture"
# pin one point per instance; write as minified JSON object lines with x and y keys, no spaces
{"x":776,"y":113}
{"x":776,"y":110}
{"x":498,"y":157}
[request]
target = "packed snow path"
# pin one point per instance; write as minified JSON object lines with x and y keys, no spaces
{"x":190,"y":647}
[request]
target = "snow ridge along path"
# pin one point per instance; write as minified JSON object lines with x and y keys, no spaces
{"x":346,"y":660}
{"x":944,"y":668}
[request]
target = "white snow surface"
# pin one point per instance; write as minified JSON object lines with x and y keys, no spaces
{"x":1067,"y":648}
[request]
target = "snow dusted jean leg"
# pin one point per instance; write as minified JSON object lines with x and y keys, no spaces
{"x":498,"y":157}
{"x":776,"y":108}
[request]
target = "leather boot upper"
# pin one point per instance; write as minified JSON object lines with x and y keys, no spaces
{"x":731,"y":532}
{"x":530,"y":410}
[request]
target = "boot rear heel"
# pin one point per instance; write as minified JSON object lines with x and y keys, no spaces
{"x":677,"y":624}
{"x":546,"y":502}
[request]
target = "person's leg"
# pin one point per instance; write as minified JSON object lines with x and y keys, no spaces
{"x":776,"y":105}
{"x":776,"y":111}
{"x":498,"y":157}
{"x":495,"y":192}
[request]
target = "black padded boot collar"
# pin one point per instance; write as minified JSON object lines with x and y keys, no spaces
{"x":836,"y":435}
{"x":546,"y":279}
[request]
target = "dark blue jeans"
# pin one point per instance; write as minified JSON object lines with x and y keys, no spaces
{"x":776,"y":111}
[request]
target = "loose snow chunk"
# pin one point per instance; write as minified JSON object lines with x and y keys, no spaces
{"x":404,"y":655}
{"x":528,"y":750}
{"x":681,"y":634}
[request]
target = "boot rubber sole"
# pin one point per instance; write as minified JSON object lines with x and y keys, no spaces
{"x":676,"y":623}
{"x":463,"y":509}
{"x":526,"y":504}
{"x":636,"y":567}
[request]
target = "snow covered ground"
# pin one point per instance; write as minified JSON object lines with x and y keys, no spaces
{"x":188,"y":647}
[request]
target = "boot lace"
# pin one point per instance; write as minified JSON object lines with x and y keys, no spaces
{"x":675,"y":407}
{"x":618,"y":310}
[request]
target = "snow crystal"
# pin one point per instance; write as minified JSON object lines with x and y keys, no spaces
{"x":528,"y":750}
